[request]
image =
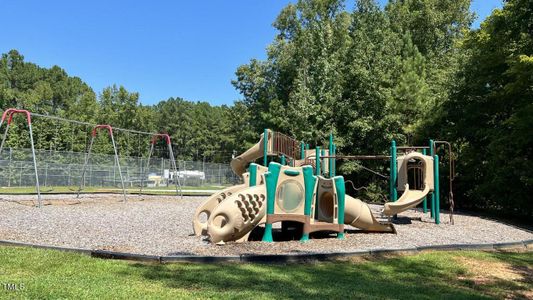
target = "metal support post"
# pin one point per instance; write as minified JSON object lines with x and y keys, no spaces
{"x":118,"y":164}
{"x":179,"y":190}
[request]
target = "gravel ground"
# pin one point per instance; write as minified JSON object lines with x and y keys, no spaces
{"x":161,"y":225}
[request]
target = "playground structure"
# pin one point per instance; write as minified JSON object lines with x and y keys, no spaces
{"x":10,"y":112}
{"x":303,"y":189}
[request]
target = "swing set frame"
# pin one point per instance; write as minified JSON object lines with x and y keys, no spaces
{"x":7,"y":118}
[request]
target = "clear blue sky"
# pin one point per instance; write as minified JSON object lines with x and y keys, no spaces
{"x":160,"y":49}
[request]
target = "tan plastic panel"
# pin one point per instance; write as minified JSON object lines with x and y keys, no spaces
{"x":236,"y":216}
{"x":427,"y":169}
{"x":327,"y":203}
{"x":297,"y":182}
{"x":199,"y":227}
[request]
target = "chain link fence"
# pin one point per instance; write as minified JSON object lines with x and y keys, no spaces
{"x":64,"y":169}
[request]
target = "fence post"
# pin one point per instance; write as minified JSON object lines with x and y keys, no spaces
{"x":20,"y":175}
{"x":114,"y":172}
{"x":185,"y":173}
{"x":162,"y":166}
{"x":69,"y":171}
{"x":10,"y":169}
{"x":219,"y":174}
{"x":140,"y":162}
{"x":203,"y":169}
{"x":46,"y":175}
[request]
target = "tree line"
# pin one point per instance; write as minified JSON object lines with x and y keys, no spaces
{"x":410,"y":70}
{"x":199,"y":130}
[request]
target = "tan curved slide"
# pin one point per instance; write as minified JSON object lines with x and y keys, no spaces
{"x":411,"y":198}
{"x":239,"y":163}
{"x":358,"y":214}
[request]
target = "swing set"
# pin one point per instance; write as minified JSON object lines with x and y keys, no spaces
{"x":7,"y":117}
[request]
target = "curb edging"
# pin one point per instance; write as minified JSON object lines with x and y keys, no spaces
{"x":276,"y":258}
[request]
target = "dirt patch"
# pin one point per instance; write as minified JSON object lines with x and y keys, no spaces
{"x":485,"y":271}
{"x":499,"y":279}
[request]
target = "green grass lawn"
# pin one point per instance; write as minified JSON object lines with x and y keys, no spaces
{"x":48,"y":274}
{"x":71,"y":189}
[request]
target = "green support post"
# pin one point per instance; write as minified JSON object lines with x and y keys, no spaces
{"x":302,"y":150}
{"x":393,"y":172}
{"x":323,"y":163}
{"x":341,"y":194}
{"x":306,"y":146}
{"x":309,"y":184}
{"x":425,"y":202}
{"x":432,"y":196}
{"x":253,"y":174}
{"x":317,"y":161}
{"x":265,"y":147}
{"x":330,"y":160}
{"x":271,"y":178}
{"x":437,"y":190}
{"x":283,"y":162}
{"x":334,"y":160}
{"x":390,"y":173}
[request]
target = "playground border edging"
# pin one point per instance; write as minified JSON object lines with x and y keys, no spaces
{"x":125,"y":256}
{"x":198,"y":259}
{"x":392,"y":251}
{"x":274,"y":258}
{"x":46,"y":247}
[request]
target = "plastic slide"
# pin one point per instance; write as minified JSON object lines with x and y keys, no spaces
{"x":411,"y":198}
{"x":358,"y":214}
{"x":239,"y":163}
